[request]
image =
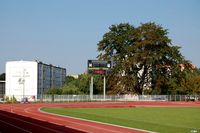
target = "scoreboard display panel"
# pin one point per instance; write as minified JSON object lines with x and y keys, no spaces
{"x":98,"y":67}
{"x":97,"y":72}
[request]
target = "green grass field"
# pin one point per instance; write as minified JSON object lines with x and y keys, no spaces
{"x":165,"y":120}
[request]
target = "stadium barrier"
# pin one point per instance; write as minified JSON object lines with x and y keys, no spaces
{"x":113,"y":98}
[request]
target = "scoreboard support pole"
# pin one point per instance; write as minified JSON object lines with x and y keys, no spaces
{"x":91,"y":88}
{"x":98,"y":67}
{"x":104,"y":87}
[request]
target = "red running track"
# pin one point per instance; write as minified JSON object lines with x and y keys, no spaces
{"x":26,"y":118}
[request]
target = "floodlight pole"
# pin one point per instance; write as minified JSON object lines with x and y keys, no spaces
{"x":91,"y":88}
{"x":104,"y":87}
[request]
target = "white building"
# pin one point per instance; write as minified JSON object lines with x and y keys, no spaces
{"x":32,"y":78}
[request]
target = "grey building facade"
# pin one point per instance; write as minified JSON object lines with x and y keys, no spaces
{"x":50,"y":76}
{"x":2,"y":88}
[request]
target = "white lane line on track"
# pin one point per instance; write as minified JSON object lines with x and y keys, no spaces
{"x":26,"y":110}
{"x":136,"y":129}
{"x":76,"y":123}
{"x":32,"y":124}
{"x":115,"y":125}
{"x":15,"y":126}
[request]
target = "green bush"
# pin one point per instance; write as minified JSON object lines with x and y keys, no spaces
{"x":10,"y":99}
{"x":70,"y":89}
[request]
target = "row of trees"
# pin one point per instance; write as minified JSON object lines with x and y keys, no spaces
{"x":79,"y":86}
{"x":146,"y":61}
{"x":186,"y":82}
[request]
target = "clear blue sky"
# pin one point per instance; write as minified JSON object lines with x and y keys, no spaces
{"x":66,"y":32}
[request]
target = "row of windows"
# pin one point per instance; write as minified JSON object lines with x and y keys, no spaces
{"x":50,"y":76}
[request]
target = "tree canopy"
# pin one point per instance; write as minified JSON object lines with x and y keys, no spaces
{"x":143,"y":58}
{"x":144,"y":62}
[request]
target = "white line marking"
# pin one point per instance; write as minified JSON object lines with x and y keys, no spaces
{"x":33,"y":124}
{"x":76,"y":123}
{"x":116,"y":125}
{"x":96,"y":122}
{"x":16,"y":126}
{"x":26,"y":110}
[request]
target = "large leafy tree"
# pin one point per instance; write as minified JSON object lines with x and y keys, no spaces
{"x":114,"y":46}
{"x":143,"y":57}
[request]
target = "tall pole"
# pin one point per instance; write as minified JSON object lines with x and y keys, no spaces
{"x":91,"y":88}
{"x":104,"y":87}
{"x":23,"y":81}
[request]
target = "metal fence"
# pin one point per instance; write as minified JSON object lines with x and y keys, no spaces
{"x":82,"y":98}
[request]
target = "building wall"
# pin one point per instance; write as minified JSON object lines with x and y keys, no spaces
{"x":21,"y":78}
{"x":44,"y":78}
{"x":58,"y":76}
{"x":49,"y":76}
{"x":32,"y":78}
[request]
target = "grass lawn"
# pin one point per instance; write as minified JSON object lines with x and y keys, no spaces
{"x":165,"y":120}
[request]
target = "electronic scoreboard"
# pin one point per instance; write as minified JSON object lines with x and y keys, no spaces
{"x":99,"y":67}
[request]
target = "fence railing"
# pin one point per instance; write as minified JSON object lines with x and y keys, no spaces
{"x":72,"y":98}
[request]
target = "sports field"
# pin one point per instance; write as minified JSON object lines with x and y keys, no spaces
{"x":156,"y":119}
